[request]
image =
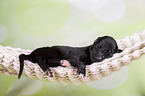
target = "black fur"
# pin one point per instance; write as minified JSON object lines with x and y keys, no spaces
{"x":45,"y":57}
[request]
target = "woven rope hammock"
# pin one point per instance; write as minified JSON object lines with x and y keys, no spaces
{"x":133,"y":47}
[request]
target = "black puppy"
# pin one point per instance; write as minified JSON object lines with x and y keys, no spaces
{"x":45,"y":57}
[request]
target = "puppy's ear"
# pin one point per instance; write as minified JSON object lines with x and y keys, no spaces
{"x":91,"y":48}
{"x":119,"y":50}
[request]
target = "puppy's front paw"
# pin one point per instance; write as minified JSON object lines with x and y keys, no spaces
{"x":81,"y":75}
{"x":65,"y":63}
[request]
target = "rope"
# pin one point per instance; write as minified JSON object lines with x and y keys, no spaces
{"x":133,"y":46}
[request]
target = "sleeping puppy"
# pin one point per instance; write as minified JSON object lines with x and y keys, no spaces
{"x":45,"y":57}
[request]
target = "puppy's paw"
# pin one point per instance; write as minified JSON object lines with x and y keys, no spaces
{"x":65,"y":63}
{"x":49,"y":73}
{"x":81,"y":75}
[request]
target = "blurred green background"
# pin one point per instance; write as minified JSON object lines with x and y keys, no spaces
{"x":32,"y":23}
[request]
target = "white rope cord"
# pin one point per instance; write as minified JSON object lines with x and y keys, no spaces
{"x":133,"y":46}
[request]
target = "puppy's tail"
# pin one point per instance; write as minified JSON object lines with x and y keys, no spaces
{"x":22,"y":57}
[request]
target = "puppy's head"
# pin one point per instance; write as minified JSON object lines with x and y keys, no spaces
{"x":103,"y":47}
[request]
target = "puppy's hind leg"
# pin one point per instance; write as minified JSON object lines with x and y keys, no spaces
{"x":44,"y":67}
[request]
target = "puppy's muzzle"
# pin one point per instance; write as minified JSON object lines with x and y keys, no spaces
{"x":98,"y":59}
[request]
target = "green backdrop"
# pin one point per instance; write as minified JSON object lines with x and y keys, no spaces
{"x":32,"y":23}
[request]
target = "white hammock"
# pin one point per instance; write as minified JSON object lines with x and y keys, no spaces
{"x":133,"y":47}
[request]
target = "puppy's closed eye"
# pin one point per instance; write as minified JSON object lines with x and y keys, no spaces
{"x":99,"y":46}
